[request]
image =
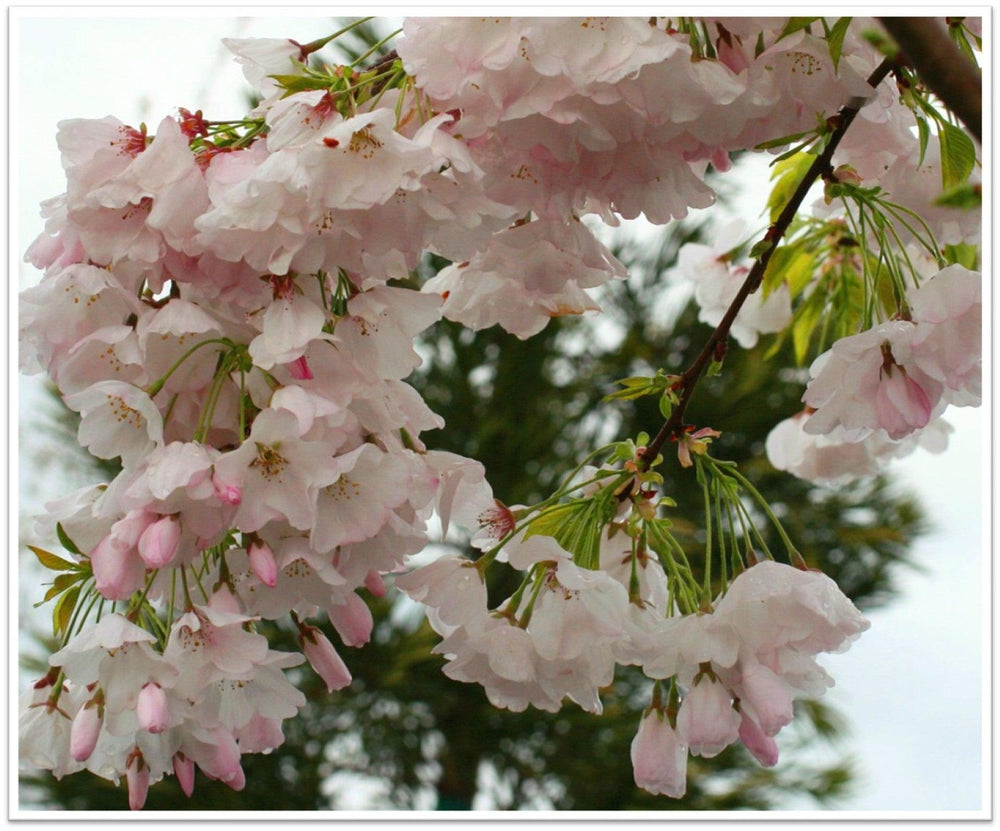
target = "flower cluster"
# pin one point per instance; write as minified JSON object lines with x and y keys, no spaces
{"x":880,"y":393}
{"x":741,"y":665}
{"x":740,"y":662}
{"x":232,"y":309}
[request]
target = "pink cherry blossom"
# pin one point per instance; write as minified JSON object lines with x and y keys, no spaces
{"x":137,"y":777}
{"x":901,"y":405}
{"x":352,"y":619}
{"x":947,"y":343}
{"x":529,"y":274}
{"x":761,"y":746}
{"x":706,"y":721}
{"x":860,"y":387}
{"x":158,"y":543}
{"x":324,"y":658}
{"x":184,"y":771}
{"x":451,"y":585}
{"x":118,"y":419}
{"x":118,"y":567}
{"x":152,"y":710}
{"x":659,"y":757}
{"x":85,"y":730}
{"x":278,"y":473}
{"x":262,"y":562}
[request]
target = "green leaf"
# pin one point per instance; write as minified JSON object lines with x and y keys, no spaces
{"x":963,"y":254}
{"x":795,"y":24}
{"x":760,"y":248}
{"x":786,"y":176}
{"x":53,"y":562}
{"x":958,"y":155}
{"x":790,"y":265}
{"x":805,"y":323}
{"x":966,"y":195}
{"x":783,"y":140}
{"x":59,"y":585}
{"x":666,"y":405}
{"x":299,"y":83}
{"x":63,"y":610}
{"x":924,"y":132}
{"x":637,"y":386}
{"x":576,"y":525}
{"x":836,"y":39}
{"x":65,"y":541}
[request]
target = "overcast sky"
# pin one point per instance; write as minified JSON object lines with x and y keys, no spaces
{"x":912,"y":687}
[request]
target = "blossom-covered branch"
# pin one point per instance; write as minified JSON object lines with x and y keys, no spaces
{"x":715,"y":347}
{"x":231,"y":308}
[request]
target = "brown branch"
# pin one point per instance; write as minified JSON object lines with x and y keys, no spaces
{"x":674,"y":426}
{"x":942,"y":66}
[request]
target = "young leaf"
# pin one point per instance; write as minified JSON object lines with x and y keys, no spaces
{"x":666,"y":405}
{"x":787,"y":175}
{"x":966,"y":196}
{"x":795,"y":24}
{"x":51,"y":561}
{"x":963,"y":254}
{"x":576,"y":525}
{"x":65,"y":541}
{"x":836,"y":39}
{"x":958,"y":155}
{"x":783,"y":140}
{"x":805,"y":324}
{"x":63,"y":610}
{"x":924,"y":133}
{"x":60,"y":585}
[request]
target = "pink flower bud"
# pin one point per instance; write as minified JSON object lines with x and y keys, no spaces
{"x":766,"y":696}
{"x":159,"y":542}
{"x":323,"y":658}
{"x":659,"y":758}
{"x":901,"y":404}
{"x":761,"y":746}
{"x":118,"y":571}
{"x":262,"y":563}
{"x":353,"y":621}
{"x":299,"y":369}
{"x":137,"y":777}
{"x":184,"y":771}
{"x":238,"y":781}
{"x":227,"y":492}
{"x":151,"y":708}
{"x":707,"y":722}
{"x":221,"y":759}
{"x":84,"y":732}
{"x":375,"y":584}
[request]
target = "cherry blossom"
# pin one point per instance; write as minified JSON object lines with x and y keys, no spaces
{"x":233,"y":309}
{"x":659,"y":757}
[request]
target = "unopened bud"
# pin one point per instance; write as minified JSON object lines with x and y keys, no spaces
{"x":159,"y":542}
{"x":184,"y":771}
{"x":151,"y":708}
{"x":85,"y":731}
{"x":262,"y":563}
{"x":137,"y":777}
{"x":323,"y":658}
